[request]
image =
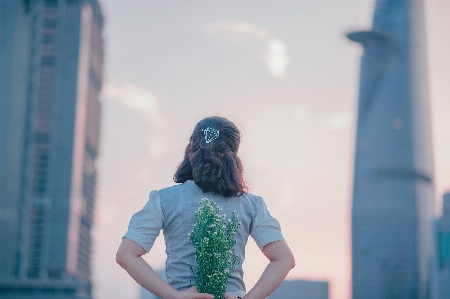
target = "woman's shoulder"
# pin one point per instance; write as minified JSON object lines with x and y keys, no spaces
{"x":189,"y":187}
{"x":251,"y":197}
{"x":177,"y":187}
{"x":183,"y":191}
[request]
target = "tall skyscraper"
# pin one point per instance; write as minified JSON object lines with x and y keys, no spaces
{"x":301,"y":289}
{"x":51,"y":61}
{"x":393,"y":192}
{"x":443,"y":251}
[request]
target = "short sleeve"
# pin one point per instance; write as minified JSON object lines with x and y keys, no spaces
{"x":146,"y":224}
{"x":266,"y":229}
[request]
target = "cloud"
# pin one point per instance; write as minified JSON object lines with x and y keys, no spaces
{"x":287,"y":193}
{"x":272,"y":134}
{"x":276,"y":57}
{"x":141,"y":100}
{"x":240,"y":31}
{"x":283,"y":114}
{"x":134,"y":97}
{"x":339,"y":121}
{"x":247,"y":36}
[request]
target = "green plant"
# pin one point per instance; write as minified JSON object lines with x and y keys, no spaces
{"x":213,"y":237}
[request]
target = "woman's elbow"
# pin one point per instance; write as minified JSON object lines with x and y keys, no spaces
{"x":292,"y":262}
{"x":289,"y":258}
{"x":289,"y":261}
{"x":127,"y":251}
{"x":119,"y":259}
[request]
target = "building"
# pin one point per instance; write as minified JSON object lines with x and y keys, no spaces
{"x":443,"y":251}
{"x":50,"y":76}
{"x":301,"y":289}
{"x":393,"y":191}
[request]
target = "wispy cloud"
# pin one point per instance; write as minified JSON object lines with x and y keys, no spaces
{"x":287,"y":193}
{"x":276,"y":57}
{"x":134,"y":97}
{"x":275,"y":131}
{"x":339,"y":121}
{"x":139,"y":99}
{"x":271,"y":50}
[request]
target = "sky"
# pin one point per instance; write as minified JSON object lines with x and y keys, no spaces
{"x":287,"y":76}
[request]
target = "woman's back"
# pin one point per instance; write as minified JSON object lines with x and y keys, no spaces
{"x":210,"y":169}
{"x":177,"y":206}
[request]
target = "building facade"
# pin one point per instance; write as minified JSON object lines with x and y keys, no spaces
{"x":51,"y":64}
{"x":443,"y":251}
{"x":393,"y":192}
{"x":301,"y":289}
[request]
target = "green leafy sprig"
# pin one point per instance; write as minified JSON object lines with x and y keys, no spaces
{"x":214,"y":237}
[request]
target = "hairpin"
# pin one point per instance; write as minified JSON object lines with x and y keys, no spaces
{"x":210,"y":134}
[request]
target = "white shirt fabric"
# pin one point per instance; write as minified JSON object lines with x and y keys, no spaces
{"x":146,"y":224}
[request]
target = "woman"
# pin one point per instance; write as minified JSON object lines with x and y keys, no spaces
{"x":211,"y":169}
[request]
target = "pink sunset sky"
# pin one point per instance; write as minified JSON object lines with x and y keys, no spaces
{"x":285,"y":73}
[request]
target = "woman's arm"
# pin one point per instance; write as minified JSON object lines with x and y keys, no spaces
{"x":129,"y":256}
{"x":281,"y":262}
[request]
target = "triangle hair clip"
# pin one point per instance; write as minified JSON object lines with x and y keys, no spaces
{"x":210,"y":134}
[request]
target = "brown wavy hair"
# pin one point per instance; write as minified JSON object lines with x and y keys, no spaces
{"x":214,"y":166}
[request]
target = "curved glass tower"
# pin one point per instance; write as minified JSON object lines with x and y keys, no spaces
{"x":393,"y":194}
